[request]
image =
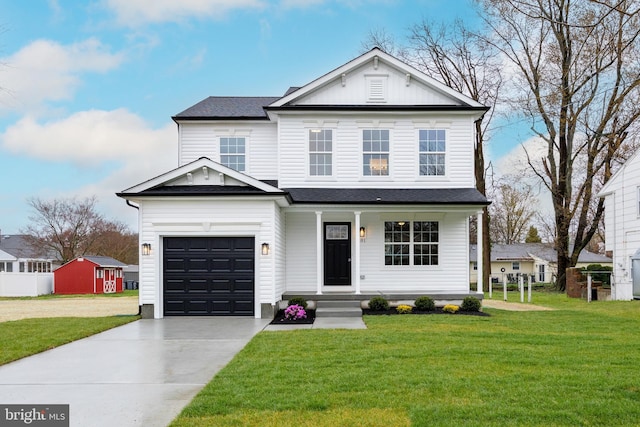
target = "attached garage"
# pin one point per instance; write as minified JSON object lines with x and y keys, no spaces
{"x":209,"y":276}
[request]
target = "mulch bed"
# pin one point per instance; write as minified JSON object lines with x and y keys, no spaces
{"x":280,"y":319}
{"x":438,"y":310}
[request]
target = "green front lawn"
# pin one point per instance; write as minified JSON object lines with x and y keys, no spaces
{"x":23,"y":338}
{"x":576,"y":365}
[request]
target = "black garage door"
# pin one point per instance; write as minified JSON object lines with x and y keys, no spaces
{"x":206,"y":276}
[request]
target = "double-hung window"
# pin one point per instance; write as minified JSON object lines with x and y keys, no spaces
{"x":232,"y":153}
{"x":515,"y":265}
{"x":411,"y":243}
{"x":375,"y":152}
{"x":320,"y":152}
{"x":432,"y":144}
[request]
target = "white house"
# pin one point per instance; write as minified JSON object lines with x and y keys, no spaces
{"x":23,"y":270}
{"x":622,"y":224}
{"x":359,"y":183}
{"x":537,"y":259}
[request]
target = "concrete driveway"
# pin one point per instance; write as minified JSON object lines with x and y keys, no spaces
{"x":139,"y":374}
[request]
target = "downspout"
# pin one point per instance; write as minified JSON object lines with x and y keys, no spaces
{"x":138,"y":208}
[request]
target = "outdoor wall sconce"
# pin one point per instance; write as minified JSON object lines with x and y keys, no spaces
{"x":146,"y":249}
{"x":265,"y":249}
{"x":363,"y":233}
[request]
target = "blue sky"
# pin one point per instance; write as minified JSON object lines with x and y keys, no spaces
{"x":88,"y":88}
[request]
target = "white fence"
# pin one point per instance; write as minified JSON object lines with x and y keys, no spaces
{"x":25,"y":284}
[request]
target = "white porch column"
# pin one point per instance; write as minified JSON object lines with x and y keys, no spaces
{"x":319,"y":269}
{"x":357,"y":254}
{"x":479,"y":255}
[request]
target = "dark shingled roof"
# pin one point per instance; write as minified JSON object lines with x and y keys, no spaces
{"x":228,"y":107}
{"x":371,"y":196}
{"x":431,"y":196}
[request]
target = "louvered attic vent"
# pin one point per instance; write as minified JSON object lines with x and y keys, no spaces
{"x":376,"y":88}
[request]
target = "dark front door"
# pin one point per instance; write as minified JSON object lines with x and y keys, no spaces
{"x":208,"y":276}
{"x":337,"y":253}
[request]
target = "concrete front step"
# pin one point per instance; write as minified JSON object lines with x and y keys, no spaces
{"x":338,"y":308}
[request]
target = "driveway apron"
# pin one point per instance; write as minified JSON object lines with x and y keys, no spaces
{"x":139,"y":374}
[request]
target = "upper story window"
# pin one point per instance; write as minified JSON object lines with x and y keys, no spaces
{"x":515,"y":265}
{"x":320,"y":152}
{"x":411,"y":243}
{"x":432,"y":152}
{"x":232,"y":153}
{"x":375,"y":152}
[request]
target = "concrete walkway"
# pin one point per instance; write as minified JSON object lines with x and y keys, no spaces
{"x":139,"y":374}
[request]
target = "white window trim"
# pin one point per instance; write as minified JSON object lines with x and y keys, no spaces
{"x":246,"y":149}
{"x":376,"y":178}
{"x":638,"y":201}
{"x":333,"y":176}
{"x":433,"y":178}
{"x":411,"y":243}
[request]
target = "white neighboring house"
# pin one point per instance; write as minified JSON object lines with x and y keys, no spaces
{"x":23,"y":271}
{"x":359,"y":183}
{"x":622,"y":228}
{"x":537,"y":259}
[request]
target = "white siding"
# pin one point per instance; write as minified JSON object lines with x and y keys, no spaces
{"x":202,"y":140}
{"x":622,"y":224}
{"x":354,"y":90}
{"x":347,"y":151}
{"x":205,"y":218}
{"x":451,"y":275}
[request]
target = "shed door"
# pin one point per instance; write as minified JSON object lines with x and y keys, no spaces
{"x":204,"y":276}
{"x":109,"y":280}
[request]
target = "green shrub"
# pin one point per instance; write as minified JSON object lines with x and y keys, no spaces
{"x":404,"y":309}
{"x":425,"y":303}
{"x":298,"y":301}
{"x":378,"y":304}
{"x":471,"y":304}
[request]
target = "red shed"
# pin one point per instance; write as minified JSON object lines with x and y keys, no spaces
{"x":89,"y":275}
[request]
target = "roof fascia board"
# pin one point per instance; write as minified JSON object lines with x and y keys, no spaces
{"x":195,"y":165}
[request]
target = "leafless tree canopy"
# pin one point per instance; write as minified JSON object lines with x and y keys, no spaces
{"x":72,"y":227}
{"x":576,"y":74}
{"x":512,"y":210}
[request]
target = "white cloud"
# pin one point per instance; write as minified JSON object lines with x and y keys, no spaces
{"x":133,"y":13}
{"x":87,"y":138}
{"x":48,"y":71}
{"x":102,"y":138}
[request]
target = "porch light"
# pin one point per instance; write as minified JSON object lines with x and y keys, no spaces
{"x":363,"y":233}
{"x":265,"y":249}
{"x":146,"y":249}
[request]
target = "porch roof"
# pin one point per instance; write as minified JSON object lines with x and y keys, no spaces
{"x":387,"y":196}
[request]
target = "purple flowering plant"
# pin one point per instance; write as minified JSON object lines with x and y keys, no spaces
{"x":295,"y":312}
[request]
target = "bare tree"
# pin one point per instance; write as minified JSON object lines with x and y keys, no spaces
{"x":577,"y":77}
{"x":512,"y":210}
{"x":114,"y":239}
{"x":457,"y":57}
{"x":71,"y":227}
